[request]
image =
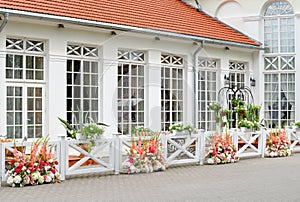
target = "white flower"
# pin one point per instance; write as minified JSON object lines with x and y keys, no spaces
{"x":41,"y":179}
{"x":23,"y":168}
{"x":57,"y":175}
{"x":50,"y":160}
{"x":10,"y":180}
{"x":126,"y":164}
{"x":48,"y":178}
{"x":35,"y":175}
{"x":17,"y":179}
{"x":132,"y":169}
{"x":210,"y":161}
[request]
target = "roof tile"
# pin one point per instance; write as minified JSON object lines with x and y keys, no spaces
{"x":165,"y":15}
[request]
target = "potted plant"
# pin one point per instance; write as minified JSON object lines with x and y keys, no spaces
{"x":245,"y":124}
{"x":84,"y":129}
{"x":179,"y":127}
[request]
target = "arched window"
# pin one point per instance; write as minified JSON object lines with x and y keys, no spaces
{"x":279,"y":64}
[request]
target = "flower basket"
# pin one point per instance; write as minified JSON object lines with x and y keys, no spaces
{"x":277,"y":145}
{"x":144,"y":157}
{"x":221,"y":150}
{"x":39,"y":167}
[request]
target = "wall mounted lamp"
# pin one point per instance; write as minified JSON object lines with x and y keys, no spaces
{"x":226,"y":80}
{"x":252,"y":81}
{"x":157,"y":38}
{"x":113,"y":33}
{"x":61,"y":26}
{"x":227,"y":48}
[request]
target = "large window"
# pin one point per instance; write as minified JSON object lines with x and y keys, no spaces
{"x":207,"y":92}
{"x":130,"y":90}
{"x":171,"y":90}
{"x":82,"y":83}
{"x":279,"y":64}
{"x":25,"y":84}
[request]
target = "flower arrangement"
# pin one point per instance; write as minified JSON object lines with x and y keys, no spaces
{"x":145,"y":157}
{"x":277,"y":145}
{"x":37,"y":168}
{"x":245,"y":123}
{"x":180,"y":127}
{"x":221,"y":150}
{"x":88,"y":128}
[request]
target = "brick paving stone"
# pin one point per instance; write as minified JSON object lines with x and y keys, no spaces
{"x":257,"y":179}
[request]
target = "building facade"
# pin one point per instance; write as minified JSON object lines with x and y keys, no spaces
{"x":51,"y":67}
{"x":276,"y":24}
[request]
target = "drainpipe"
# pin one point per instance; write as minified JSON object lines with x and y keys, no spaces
{"x":4,"y":22}
{"x":195,"y":81}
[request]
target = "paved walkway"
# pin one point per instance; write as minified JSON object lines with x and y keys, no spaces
{"x":256,"y":179}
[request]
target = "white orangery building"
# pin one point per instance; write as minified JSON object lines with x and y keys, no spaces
{"x":125,"y":63}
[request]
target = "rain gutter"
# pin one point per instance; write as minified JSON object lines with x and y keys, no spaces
{"x":4,"y":21}
{"x":123,"y":28}
{"x":195,"y":82}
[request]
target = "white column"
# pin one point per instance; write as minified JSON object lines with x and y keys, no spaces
{"x":109,"y":88}
{"x":56,"y":95}
{"x":153,"y":91}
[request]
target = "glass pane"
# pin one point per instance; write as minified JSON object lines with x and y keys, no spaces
{"x":9,"y":60}
{"x":30,"y":104}
{"x":38,"y":131}
{"x":18,"y":132}
{"x":38,"y":92}
{"x":39,"y":63}
{"x":18,"y":91}
{"x":18,"y":118}
{"x":10,"y":104}
{"x":29,"y":75}
{"x":18,"y":104}
{"x":38,"y":118}
{"x":38,"y":104}
{"x":39,"y":75}
{"x":10,"y":118}
{"x":29,"y":62}
{"x":18,"y":61}
{"x":30,"y":118}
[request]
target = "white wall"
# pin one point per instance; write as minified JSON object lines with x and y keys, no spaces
{"x":57,"y":40}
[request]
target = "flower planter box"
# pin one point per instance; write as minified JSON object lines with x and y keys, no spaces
{"x":74,"y":159}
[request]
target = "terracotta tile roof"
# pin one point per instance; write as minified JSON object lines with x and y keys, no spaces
{"x":165,"y":15}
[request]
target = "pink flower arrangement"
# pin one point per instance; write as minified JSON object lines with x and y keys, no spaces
{"x":277,"y":145}
{"x":221,"y":150}
{"x":37,"y":168}
{"x":145,"y":156}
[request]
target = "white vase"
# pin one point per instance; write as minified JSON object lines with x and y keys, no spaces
{"x":80,"y":136}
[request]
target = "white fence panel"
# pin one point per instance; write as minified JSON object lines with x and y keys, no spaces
{"x":293,"y":135}
{"x":249,"y":144}
{"x":181,"y":148}
{"x":7,"y":150}
{"x":77,"y":160}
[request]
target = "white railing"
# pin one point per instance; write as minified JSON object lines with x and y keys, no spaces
{"x":293,"y":135}
{"x":109,"y":152}
{"x":181,"y":148}
{"x":249,"y":144}
{"x":77,"y":160}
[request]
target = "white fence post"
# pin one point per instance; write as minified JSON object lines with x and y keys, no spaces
{"x":2,"y":166}
{"x":202,"y":146}
{"x":117,"y":154}
{"x":164,"y":145}
{"x":263,"y":142}
{"x":63,"y":157}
